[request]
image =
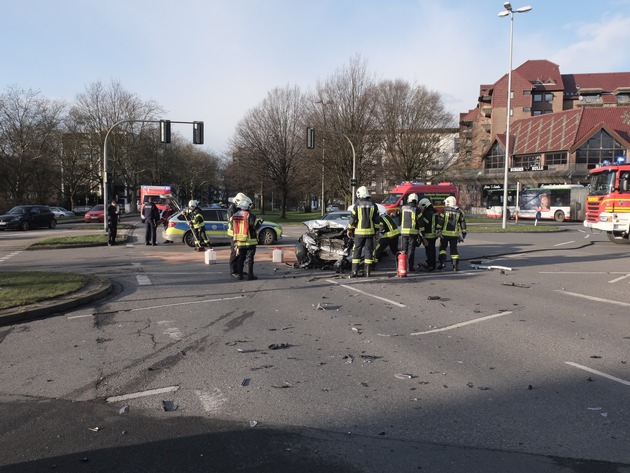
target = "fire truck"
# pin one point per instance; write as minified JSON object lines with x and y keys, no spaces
{"x":608,"y":201}
{"x":436,"y":192}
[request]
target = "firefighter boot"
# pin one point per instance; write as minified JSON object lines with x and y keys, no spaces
{"x":368,"y":268}
{"x":355,"y":271}
{"x":250,"y":274}
{"x":455,"y":264}
{"x":441,"y":264}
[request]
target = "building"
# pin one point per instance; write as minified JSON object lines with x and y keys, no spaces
{"x":561,"y":126}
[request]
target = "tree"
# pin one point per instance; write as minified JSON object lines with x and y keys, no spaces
{"x":29,"y":146}
{"x":412,"y":121}
{"x":270,"y":140}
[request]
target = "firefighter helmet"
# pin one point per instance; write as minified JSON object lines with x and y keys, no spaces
{"x":450,"y":201}
{"x":363,"y":193}
{"x":424,"y":203}
{"x":245,"y":203}
{"x":237,"y":199}
{"x":412,"y":198}
{"x":193,"y":203}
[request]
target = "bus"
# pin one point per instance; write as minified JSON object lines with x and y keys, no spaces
{"x":435,"y":192}
{"x":559,"y":202}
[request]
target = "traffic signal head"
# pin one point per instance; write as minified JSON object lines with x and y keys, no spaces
{"x":198,"y":133}
{"x":310,"y":138}
{"x":165,"y":131}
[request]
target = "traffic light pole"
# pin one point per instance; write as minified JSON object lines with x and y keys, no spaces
{"x":197,"y":139}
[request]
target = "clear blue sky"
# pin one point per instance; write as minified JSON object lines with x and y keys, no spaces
{"x":213,"y":60}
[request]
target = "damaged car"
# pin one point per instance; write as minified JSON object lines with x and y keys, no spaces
{"x":325,"y":245}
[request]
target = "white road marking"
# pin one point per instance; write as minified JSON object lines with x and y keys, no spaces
{"x":186,"y":303}
{"x":598,"y":373}
{"x":150,"y":392}
{"x":595,"y":299}
{"x":10,"y":255}
{"x":143,"y":280}
{"x":79,"y":316}
{"x":463,"y":324}
{"x":619,"y":279}
{"x":565,"y":243}
{"x":389,"y":301}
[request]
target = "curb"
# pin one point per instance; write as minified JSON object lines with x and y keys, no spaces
{"x":96,"y":288}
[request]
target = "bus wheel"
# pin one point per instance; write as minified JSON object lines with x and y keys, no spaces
{"x":559,"y":216}
{"x":620,"y":238}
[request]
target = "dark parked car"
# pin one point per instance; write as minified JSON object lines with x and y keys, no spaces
{"x":24,"y":217}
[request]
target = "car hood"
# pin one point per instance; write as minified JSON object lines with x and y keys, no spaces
{"x":319,"y":224}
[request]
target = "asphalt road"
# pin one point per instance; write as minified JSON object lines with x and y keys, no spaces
{"x":520,"y":369}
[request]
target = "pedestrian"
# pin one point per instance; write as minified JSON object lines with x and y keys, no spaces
{"x":410,"y":229}
{"x":197,"y":225}
{"x":165,"y":215}
{"x":245,"y":237}
{"x":428,"y":222}
{"x":451,"y":228}
{"x":113,"y":215}
{"x":389,"y":235}
{"x":232,"y":209}
{"x":151,"y":216}
{"x":364,"y":220}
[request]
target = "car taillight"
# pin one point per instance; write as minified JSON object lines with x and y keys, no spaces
{"x":171,"y":224}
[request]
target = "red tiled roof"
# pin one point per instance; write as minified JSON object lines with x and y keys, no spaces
{"x":608,"y":81}
{"x":545,"y":74}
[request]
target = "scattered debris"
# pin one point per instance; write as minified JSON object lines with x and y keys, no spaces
{"x":513,"y":284}
{"x":348,"y":358}
{"x":169,"y":406}
{"x":253,"y":423}
{"x":94,"y":429}
{"x":243,"y":350}
{"x":481,"y":266}
{"x":403,"y":376}
{"x":278,"y":346}
{"x":123,"y":410}
{"x":595,"y":356}
{"x":320,"y":307}
{"x":369,"y":358}
{"x":364,"y":384}
{"x":530,"y":387}
{"x":245,"y":382}
{"x":434,"y":298}
{"x":284,"y":385}
{"x":470,"y":385}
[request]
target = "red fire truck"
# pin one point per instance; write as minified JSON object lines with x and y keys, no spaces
{"x":156,"y":193}
{"x":608,"y":201}
{"x":436,"y":192}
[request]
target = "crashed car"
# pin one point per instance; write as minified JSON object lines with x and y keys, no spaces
{"x":325,"y":245}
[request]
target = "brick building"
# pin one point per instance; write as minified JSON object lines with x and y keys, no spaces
{"x":561,"y":126}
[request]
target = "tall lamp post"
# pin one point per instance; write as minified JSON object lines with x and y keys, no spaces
{"x":509,"y":11}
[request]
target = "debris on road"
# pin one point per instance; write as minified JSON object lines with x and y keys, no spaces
{"x":434,"y":298}
{"x":278,"y":346}
{"x":245,"y":382}
{"x":348,"y":358}
{"x":169,"y":406}
{"x":481,"y":266}
{"x":513,"y":284}
{"x":123,"y":410}
{"x":403,"y":376}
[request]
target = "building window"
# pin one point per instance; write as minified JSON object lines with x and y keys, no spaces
{"x":526,"y":161}
{"x":527,"y":109}
{"x":548,"y":97}
{"x":623,"y":98}
{"x":555,"y":158}
{"x":537,"y":112}
{"x":537,"y":97}
{"x":527,"y":92}
{"x":495,"y":157}
{"x":600,"y":147}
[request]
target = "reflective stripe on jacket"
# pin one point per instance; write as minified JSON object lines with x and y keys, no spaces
{"x":430,"y":221}
{"x":364,"y":218}
{"x":389,"y":229}
{"x":451,"y":222}
{"x":409,"y":220}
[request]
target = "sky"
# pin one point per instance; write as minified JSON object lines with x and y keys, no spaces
{"x":215,"y":60}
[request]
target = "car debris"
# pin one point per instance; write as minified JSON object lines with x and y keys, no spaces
{"x":481,"y":266}
{"x":278,"y":346}
{"x":169,"y":406}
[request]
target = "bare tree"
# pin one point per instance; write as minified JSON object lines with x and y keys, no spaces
{"x":270,"y":139}
{"x":412,"y":120}
{"x":29,"y":146}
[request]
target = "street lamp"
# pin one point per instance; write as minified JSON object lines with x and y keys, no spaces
{"x":509,"y":11}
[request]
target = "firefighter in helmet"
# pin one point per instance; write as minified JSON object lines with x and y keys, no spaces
{"x":364,"y":220}
{"x":389,"y":235}
{"x":232,"y":209}
{"x":197,"y":225}
{"x":428,"y":222}
{"x":451,"y":228}
{"x":410,"y":229}
{"x":245,"y":237}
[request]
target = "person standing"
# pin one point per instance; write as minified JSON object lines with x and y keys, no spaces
{"x":232,"y":209}
{"x":390,"y":234}
{"x":410,"y":229}
{"x":197,"y":225}
{"x":429,"y":221}
{"x":113,"y":215}
{"x":151,"y":216}
{"x":364,"y":219}
{"x":166,"y":214}
{"x":451,"y":228}
{"x":245,"y":237}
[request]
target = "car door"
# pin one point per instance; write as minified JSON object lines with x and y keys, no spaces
{"x":216,"y":224}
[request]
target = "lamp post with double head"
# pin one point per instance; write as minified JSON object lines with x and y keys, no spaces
{"x":509,"y":11}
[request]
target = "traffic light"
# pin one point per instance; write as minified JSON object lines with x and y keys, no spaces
{"x":198,"y":133}
{"x":310,"y":138}
{"x":165,"y":131}
{"x":353,"y":182}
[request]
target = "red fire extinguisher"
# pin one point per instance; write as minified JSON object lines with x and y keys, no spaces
{"x":402,"y":265}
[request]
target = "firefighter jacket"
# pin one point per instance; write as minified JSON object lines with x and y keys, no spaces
{"x":364,"y":218}
{"x":232,"y":209}
{"x":244,"y":224}
{"x":429,"y":222}
{"x":451,"y":222}
{"x":388,"y":227}
{"x":410,"y":220}
{"x":195,"y":218}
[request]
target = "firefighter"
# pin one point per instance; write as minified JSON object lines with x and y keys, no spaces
{"x":232,"y":209}
{"x":364,"y":219}
{"x":451,"y":228}
{"x":389,"y":235}
{"x":245,"y":237}
{"x":151,"y":217}
{"x":410,"y":229}
{"x":197,"y":225}
{"x":429,"y":221}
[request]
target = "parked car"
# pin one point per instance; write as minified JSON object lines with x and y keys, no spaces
{"x":80,"y":210}
{"x":95,"y":214}
{"x":216,"y":220}
{"x":61,"y":212}
{"x":332,"y":208}
{"x":25,"y":217}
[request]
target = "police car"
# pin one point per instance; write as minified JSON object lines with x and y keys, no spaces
{"x":216,"y":221}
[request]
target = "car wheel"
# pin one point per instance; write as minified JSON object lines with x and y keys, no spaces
{"x":189,"y":239}
{"x":266,"y":237}
{"x":24,"y":226}
{"x":53,"y":223}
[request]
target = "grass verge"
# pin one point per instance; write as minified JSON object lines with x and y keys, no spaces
{"x":28,"y":287}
